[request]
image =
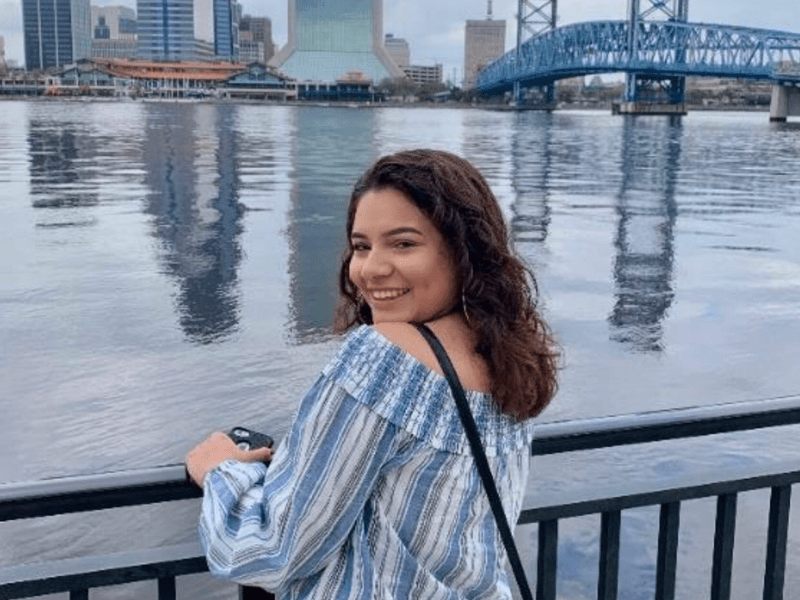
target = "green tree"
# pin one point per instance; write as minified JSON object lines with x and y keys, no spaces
{"x":427,"y":90}
{"x":398,"y":86}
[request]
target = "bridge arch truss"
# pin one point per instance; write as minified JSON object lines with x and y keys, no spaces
{"x":662,"y":48}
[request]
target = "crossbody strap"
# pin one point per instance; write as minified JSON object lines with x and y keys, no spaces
{"x":481,"y":461}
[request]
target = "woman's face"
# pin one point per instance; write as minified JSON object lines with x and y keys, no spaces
{"x":401,"y":264}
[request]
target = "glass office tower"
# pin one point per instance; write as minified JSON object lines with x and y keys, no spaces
{"x":57,"y":32}
{"x":165,"y":29}
{"x":227,"y":16}
{"x":328,"y":39}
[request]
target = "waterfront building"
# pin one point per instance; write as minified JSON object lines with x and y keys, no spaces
{"x":423,"y":74}
{"x":353,"y":86}
{"x":87,"y":78}
{"x":255,"y":39}
{"x":227,"y":15}
{"x":165,"y":30}
{"x":57,"y":32}
{"x":187,"y":79}
{"x":329,"y":39}
{"x":398,"y":50}
{"x":114,"y":32}
{"x":484,"y":41}
{"x":258,"y":82}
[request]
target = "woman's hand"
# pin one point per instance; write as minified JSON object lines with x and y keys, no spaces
{"x":217,"y":448}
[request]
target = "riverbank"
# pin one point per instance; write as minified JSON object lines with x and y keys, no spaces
{"x":368,"y":105}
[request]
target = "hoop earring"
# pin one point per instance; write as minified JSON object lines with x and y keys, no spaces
{"x":464,"y":307}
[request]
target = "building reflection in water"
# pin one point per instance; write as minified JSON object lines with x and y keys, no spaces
{"x":532,"y":155}
{"x":332,"y":147}
{"x":644,"y":242}
{"x":192,"y":174}
{"x":58,"y":172}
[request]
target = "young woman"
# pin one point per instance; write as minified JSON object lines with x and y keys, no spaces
{"x":374,"y":492}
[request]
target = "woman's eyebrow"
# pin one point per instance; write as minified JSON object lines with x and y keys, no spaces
{"x":390,"y":233}
{"x":399,"y":230}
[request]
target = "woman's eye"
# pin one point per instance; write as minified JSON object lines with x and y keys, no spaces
{"x":404,"y":244}
{"x":360,"y":247}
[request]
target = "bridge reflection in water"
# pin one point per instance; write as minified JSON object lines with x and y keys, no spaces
{"x":647,"y":211}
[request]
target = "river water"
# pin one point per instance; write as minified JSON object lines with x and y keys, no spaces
{"x":168,"y":269}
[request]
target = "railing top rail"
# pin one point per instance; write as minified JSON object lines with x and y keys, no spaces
{"x":63,"y":495}
{"x":158,"y":484}
{"x":167,"y":474}
{"x":631,"y":493}
{"x":637,"y":428}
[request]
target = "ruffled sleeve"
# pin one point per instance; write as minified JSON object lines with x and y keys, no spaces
{"x":269,"y":527}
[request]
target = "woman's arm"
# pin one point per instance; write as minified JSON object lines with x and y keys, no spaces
{"x":269,"y":527}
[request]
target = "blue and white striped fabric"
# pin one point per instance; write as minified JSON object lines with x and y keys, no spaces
{"x":373,"y":493}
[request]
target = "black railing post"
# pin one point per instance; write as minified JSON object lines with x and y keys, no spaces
{"x":79,"y":594}
{"x":776,"y":542}
{"x":547,"y":568}
{"x":722,"y":566}
{"x":166,"y":588}
{"x":608,"y":578}
{"x":247,"y":592}
{"x":667,"y":561}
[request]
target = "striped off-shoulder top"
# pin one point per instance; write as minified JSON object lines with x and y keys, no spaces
{"x":373,"y":493}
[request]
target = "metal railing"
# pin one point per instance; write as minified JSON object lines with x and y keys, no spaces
{"x":161,"y":484}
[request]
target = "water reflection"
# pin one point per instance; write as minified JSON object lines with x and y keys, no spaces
{"x":190,"y":153}
{"x":646,"y":210}
{"x":57,"y":155}
{"x":333,"y":146}
{"x":532,"y":156}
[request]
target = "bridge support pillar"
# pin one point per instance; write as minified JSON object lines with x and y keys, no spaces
{"x":649,"y":94}
{"x":785,"y":102}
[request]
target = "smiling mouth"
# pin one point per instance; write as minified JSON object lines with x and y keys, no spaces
{"x":382,"y":295}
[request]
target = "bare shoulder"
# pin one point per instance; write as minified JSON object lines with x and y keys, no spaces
{"x":406,"y":337}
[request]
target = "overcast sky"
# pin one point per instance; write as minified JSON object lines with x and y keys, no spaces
{"x":435,"y":28}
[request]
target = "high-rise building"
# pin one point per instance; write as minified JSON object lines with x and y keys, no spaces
{"x":120,"y":21}
{"x":255,"y":39}
{"x":424,"y":74}
{"x":57,"y":32}
{"x":2,"y":53}
{"x":484,"y":41}
{"x":165,"y":30}
{"x":113,"y":32}
{"x":329,"y":39}
{"x":227,"y":15}
{"x":398,"y":50}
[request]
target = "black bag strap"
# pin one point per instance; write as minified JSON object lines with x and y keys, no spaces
{"x":481,"y":462}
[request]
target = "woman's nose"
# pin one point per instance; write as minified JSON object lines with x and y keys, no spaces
{"x":376,"y":264}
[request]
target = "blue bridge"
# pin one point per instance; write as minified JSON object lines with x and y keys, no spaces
{"x":656,"y":55}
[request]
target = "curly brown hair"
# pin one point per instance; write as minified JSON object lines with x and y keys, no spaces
{"x":498,"y":289}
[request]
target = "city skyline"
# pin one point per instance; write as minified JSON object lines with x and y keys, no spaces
{"x":435,"y":31}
